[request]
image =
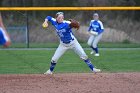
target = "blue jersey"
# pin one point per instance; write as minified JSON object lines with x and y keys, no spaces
{"x":3,"y":37}
{"x":96,"y":25}
{"x":63,"y":29}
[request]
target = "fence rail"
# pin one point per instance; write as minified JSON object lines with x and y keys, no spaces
{"x":65,"y":8}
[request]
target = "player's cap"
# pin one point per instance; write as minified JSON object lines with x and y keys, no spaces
{"x":58,"y":13}
{"x":95,"y":14}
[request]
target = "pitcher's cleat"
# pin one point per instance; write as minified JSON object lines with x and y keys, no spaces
{"x":97,"y":54}
{"x":48,"y":72}
{"x":95,"y":70}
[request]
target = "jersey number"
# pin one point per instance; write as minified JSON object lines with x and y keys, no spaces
{"x":60,"y":34}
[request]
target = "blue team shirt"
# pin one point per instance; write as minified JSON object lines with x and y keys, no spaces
{"x":63,"y":29}
{"x":2,"y":38}
{"x":96,"y":25}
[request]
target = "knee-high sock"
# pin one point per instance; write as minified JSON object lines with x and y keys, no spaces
{"x":52,"y":66}
{"x":90,"y":65}
{"x":95,"y":49}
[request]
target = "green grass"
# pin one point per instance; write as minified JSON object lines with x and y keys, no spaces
{"x":54,"y":45}
{"x":38,"y":61}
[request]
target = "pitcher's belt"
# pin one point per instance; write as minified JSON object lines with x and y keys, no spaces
{"x":67,"y":42}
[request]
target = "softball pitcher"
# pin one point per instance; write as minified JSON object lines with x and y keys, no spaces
{"x":96,"y":30}
{"x":4,"y":37}
{"x":67,"y":40}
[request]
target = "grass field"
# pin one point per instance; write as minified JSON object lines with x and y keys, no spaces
{"x":38,"y":61}
{"x":55,"y":45}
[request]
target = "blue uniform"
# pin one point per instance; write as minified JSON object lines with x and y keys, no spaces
{"x":3,"y":37}
{"x":97,"y":26}
{"x":63,"y":30}
{"x":68,"y":41}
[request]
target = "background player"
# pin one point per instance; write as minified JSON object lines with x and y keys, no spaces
{"x":4,"y":37}
{"x":96,"y":30}
{"x":67,"y":40}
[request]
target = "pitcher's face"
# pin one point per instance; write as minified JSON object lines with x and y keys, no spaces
{"x":60,"y":18}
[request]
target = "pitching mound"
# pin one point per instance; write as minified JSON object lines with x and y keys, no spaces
{"x":71,"y":83}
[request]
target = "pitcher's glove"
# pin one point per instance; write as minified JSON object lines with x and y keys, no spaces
{"x":74,"y":24}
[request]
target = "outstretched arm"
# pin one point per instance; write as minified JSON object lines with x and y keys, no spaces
{"x":45,"y":24}
{"x":50,"y":19}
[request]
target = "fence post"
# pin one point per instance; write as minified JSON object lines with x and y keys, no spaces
{"x":27,"y":26}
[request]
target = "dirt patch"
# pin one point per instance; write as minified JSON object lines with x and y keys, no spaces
{"x":71,"y":83}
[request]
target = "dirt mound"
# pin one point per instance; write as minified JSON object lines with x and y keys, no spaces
{"x":71,"y":83}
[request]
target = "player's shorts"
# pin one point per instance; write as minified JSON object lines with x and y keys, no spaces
{"x":3,"y":37}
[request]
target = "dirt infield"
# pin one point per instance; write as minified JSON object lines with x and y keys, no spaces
{"x":71,"y":83}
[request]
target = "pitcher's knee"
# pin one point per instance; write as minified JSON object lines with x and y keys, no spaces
{"x":55,"y":58}
{"x":53,"y":61}
{"x":84,"y":57}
